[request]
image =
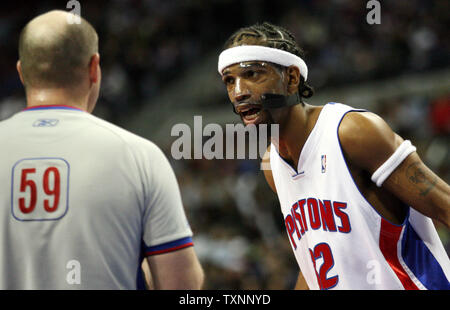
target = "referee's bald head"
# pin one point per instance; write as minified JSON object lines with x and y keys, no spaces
{"x":54,"y":53}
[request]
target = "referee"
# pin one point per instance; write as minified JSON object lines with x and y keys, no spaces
{"x":83,"y":203}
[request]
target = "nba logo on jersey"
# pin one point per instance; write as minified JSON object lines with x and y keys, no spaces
{"x":324,"y":163}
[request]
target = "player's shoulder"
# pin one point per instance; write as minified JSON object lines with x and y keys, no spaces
{"x":358,"y":126}
{"x":367,"y":139}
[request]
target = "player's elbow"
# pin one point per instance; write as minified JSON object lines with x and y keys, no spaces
{"x":445,"y":217}
{"x":441,"y":204}
{"x":440,"y":212}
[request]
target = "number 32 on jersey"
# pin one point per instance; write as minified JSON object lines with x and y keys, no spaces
{"x":39,"y":189}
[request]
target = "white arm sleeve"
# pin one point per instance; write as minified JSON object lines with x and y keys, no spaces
{"x":385,"y":170}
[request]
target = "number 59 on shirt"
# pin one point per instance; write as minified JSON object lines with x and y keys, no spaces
{"x":39,"y":189}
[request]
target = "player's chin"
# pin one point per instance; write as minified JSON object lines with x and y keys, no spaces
{"x":257,"y":118}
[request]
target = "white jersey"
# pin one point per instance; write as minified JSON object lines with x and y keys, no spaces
{"x":339,"y":239}
{"x":82,"y":202}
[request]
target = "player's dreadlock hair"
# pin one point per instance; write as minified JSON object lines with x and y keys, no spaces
{"x":269,"y":35}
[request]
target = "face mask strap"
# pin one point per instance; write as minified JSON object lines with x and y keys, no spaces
{"x":276,"y":101}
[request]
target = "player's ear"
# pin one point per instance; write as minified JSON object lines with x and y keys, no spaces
{"x":293,"y":78}
{"x":94,"y":68}
{"x":19,"y":70}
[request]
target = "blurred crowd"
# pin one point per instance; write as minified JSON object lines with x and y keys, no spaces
{"x":144,"y":45}
{"x":237,"y":224}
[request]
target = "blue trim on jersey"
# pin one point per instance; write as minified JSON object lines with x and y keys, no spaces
{"x":168,"y":246}
{"x":421,"y":261}
{"x":52,"y":107}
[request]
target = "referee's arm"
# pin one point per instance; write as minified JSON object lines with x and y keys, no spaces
{"x":178,"y":270}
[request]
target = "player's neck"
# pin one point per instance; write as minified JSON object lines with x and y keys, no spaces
{"x":52,"y":97}
{"x":295,"y":132}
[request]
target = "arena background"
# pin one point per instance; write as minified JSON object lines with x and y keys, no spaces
{"x":159,"y":67}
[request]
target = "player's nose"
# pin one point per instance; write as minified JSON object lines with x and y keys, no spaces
{"x":241,"y":91}
{"x":242,"y":97}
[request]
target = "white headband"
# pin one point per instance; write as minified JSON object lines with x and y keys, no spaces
{"x":261,"y":53}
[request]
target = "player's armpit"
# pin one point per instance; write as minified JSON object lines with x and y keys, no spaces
{"x":178,"y":270}
{"x":416,"y":185}
{"x":301,"y":283}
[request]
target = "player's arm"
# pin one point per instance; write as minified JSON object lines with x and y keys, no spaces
{"x":178,"y":270}
{"x":265,"y":164}
{"x":368,"y":142}
{"x":301,"y":283}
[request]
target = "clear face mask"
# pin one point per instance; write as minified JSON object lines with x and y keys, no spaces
{"x":271,"y":98}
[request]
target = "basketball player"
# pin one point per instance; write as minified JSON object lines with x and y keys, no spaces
{"x":357,"y":200}
{"x":83,"y":201}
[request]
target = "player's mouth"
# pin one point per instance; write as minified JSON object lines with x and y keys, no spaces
{"x":250,"y":113}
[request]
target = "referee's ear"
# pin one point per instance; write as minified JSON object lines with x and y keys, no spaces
{"x":94,"y":69}
{"x":19,"y":70}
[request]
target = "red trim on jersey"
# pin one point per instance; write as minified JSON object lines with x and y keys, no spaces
{"x":51,"y":106}
{"x":169,"y":249}
{"x":389,"y":237}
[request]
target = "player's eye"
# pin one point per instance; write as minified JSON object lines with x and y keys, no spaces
{"x":251,"y":74}
{"x":228,"y":80}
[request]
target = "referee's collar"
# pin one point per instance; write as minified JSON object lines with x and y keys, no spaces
{"x":52,"y":107}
